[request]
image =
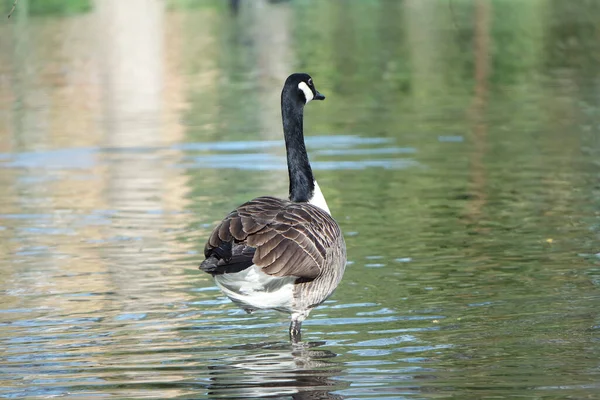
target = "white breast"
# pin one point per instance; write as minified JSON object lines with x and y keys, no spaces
{"x":318,"y":199}
{"x":252,"y":289}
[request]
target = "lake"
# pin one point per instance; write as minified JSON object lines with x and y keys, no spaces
{"x":458,"y":149}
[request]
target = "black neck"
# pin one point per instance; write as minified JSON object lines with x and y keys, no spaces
{"x":301,"y":178}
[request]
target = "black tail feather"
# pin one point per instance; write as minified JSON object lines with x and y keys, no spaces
{"x":228,"y":259}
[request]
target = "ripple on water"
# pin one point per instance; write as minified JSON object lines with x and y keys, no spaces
{"x":487,"y":286}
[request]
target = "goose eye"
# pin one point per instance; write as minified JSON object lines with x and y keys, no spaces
{"x":310,"y":82}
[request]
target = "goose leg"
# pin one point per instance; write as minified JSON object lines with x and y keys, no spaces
{"x":295,"y":334}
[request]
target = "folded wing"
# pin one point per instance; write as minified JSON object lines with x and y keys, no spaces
{"x":281,"y":237}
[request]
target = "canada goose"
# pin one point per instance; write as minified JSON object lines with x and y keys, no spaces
{"x":285,"y":255}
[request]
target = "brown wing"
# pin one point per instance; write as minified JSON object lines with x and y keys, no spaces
{"x":281,"y":237}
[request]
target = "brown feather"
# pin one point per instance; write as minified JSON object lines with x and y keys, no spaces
{"x":291,"y":239}
{"x":237,"y":229}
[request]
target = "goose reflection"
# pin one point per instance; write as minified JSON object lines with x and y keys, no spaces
{"x":273,"y":370}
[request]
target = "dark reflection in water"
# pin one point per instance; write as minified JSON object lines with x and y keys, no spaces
{"x":458,"y":148}
{"x":273,"y":370}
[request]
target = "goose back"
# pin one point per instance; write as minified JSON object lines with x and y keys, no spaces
{"x":281,"y":237}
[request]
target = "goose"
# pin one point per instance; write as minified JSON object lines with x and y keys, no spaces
{"x":287,"y":255}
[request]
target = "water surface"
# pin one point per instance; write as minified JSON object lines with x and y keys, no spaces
{"x":458,"y":148}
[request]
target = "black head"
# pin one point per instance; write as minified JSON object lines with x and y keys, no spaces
{"x":301,"y":86}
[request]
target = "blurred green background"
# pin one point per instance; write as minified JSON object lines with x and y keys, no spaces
{"x":458,"y":148}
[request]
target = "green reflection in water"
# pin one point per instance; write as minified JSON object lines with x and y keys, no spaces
{"x":473,"y":241}
{"x":483,"y":234}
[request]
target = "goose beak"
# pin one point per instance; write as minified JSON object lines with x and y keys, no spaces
{"x":319,"y":96}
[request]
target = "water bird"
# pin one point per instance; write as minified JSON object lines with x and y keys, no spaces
{"x":287,"y":255}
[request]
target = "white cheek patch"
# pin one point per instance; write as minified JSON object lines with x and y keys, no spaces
{"x":308,"y":94}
